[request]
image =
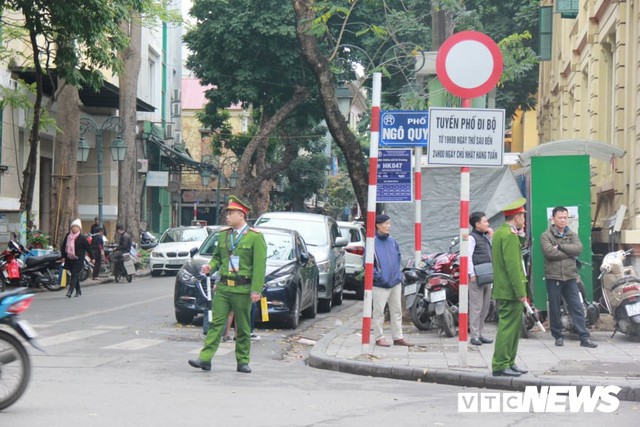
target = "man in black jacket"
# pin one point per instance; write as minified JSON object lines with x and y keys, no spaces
{"x":124,"y":247}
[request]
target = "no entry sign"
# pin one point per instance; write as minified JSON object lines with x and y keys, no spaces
{"x":469,"y":64}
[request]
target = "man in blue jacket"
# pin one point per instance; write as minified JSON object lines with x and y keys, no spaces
{"x":387,"y":288}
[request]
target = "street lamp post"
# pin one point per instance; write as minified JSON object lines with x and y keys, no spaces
{"x":118,"y":147}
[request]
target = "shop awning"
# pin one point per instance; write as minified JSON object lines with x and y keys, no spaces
{"x":573,"y":147}
{"x":108,"y":96}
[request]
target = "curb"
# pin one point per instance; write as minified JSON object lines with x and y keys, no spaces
{"x":318,"y":359}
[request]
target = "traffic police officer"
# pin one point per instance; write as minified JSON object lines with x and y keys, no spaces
{"x":240,"y":258}
{"x":509,"y":288}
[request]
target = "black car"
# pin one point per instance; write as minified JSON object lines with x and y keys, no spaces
{"x":291,"y":283}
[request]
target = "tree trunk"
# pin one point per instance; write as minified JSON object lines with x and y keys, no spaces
{"x":254,"y":178}
{"x":31,"y":168}
{"x":64,"y":189}
{"x":442,"y":27}
{"x":128,"y":194}
{"x":337,"y":124}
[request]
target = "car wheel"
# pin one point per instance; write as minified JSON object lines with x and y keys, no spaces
{"x":359,"y":287}
{"x":310,"y":312}
{"x":324,"y":305}
{"x":337,"y":298}
{"x":294,"y":315}
{"x":184,"y":317}
{"x":156,"y":273}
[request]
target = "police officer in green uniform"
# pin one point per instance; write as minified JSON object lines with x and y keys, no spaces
{"x":509,"y":288}
{"x":240,"y":258}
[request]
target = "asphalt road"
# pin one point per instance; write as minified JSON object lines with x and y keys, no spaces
{"x":116,"y":357}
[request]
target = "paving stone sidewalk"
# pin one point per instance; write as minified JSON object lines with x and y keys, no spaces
{"x":435,"y":358}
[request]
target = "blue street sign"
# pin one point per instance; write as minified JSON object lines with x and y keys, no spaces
{"x":404,"y":128}
{"x":394,"y":176}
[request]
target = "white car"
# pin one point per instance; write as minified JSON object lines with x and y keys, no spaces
{"x":356,"y":235}
{"x":174,"y":247}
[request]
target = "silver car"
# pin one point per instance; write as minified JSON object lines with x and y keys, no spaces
{"x":356,"y":234}
{"x":321,"y":234}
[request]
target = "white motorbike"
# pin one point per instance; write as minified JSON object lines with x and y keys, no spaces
{"x":621,"y":292}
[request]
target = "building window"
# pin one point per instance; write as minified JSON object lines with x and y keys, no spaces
{"x":545,"y":26}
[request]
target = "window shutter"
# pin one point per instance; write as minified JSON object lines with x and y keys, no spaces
{"x":545,"y":23}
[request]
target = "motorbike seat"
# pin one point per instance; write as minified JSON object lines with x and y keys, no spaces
{"x":42,"y":259}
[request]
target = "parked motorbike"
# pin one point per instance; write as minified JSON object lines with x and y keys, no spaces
{"x":431,"y":291}
{"x":15,"y":365}
{"x":35,"y":271}
{"x":147,"y":240}
{"x":621,"y":292}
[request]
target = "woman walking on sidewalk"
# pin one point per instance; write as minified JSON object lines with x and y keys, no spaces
{"x":74,"y":248}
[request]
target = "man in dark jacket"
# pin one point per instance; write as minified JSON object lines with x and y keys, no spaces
{"x":387,"y":288}
{"x":124,"y":247}
{"x":561,"y":247}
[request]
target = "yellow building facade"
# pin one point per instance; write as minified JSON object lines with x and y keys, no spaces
{"x":590,"y":90}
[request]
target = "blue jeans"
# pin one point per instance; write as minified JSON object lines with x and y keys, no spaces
{"x":567,"y":289}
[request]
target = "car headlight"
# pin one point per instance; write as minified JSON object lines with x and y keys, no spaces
{"x":187,"y":278}
{"x":157,"y":254}
{"x":324,"y":266}
{"x":279,"y":282}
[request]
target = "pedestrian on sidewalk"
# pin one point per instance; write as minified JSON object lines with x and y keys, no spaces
{"x":509,"y":288}
{"x":97,"y":247}
{"x":561,"y":247}
{"x":241,"y":259}
{"x":74,"y":248}
{"x":387,"y":279}
{"x":479,"y":285}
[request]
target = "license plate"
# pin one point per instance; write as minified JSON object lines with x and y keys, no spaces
{"x":26,"y":328}
{"x":437,"y":296}
{"x":410,"y":289}
{"x":175,"y":262}
{"x":633,"y":309}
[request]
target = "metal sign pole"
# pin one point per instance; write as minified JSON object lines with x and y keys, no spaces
{"x":367,"y":307}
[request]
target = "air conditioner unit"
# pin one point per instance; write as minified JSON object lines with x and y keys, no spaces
{"x":176,"y":109}
{"x":176,"y":95}
{"x":143,"y":165}
{"x":168,"y":132}
{"x":178,"y":137}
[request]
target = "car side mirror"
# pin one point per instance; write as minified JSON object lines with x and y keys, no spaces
{"x":193,"y":251}
{"x":341,"y":242}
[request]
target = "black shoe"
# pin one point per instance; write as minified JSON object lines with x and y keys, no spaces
{"x":69,"y":293}
{"x":244,"y":368}
{"x":476,"y":341}
{"x":506,"y":373}
{"x":518,"y":369}
{"x":486,"y":340}
{"x":77,"y":295}
{"x":199,"y":363}
{"x":559,"y":342}
{"x":588,"y":343}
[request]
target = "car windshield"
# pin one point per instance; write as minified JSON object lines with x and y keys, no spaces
{"x":209,"y":245}
{"x":351,"y":234}
{"x":313,"y":232}
{"x":184,"y":235}
{"x":279,"y":246}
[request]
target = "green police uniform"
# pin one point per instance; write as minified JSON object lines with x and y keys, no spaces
{"x":509,"y":285}
{"x":246,"y":252}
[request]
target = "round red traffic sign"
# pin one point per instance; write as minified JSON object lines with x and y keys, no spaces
{"x":469,"y":64}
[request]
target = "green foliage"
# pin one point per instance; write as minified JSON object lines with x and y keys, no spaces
{"x":36,"y":238}
{"x":340,"y":194}
{"x":76,"y":37}
{"x":305,"y":177}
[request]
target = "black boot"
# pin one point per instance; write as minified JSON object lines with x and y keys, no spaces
{"x":78,"y":292}
{"x":69,"y":292}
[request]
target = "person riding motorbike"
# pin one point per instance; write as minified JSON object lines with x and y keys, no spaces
{"x":124,"y":247}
